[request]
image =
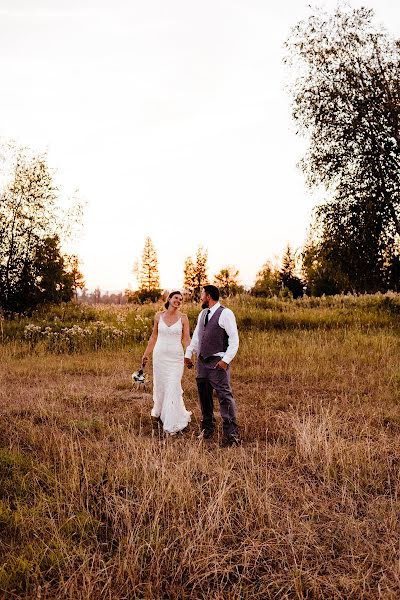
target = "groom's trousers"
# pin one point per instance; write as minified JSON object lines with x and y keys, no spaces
{"x":210,"y":378}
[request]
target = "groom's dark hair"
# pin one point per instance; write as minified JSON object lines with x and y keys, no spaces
{"x":212,"y":290}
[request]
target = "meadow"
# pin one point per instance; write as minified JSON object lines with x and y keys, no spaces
{"x":96,"y":503}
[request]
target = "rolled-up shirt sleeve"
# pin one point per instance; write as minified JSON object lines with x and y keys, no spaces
{"x":227,"y":321}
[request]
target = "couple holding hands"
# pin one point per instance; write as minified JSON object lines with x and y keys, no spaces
{"x":215,"y":341}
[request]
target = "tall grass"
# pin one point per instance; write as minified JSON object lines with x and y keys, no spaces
{"x":79,"y":328}
{"x":96,"y":503}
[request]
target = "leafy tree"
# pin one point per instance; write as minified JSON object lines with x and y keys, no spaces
{"x":30,"y":229}
{"x":143,"y":296}
{"x":268,"y":282}
{"x":195,"y":273}
{"x":44,"y":280}
{"x":320,"y":273}
{"x":53,"y":282}
{"x":227,"y":281}
{"x":393,"y":271}
{"x":289,"y":279}
{"x":346,"y":99}
{"x":350,"y":252}
{"x":149,"y":278}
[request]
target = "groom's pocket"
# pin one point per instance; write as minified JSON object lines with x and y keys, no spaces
{"x":210,"y":362}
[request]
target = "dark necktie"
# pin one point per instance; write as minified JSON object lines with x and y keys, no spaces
{"x":207,"y":315}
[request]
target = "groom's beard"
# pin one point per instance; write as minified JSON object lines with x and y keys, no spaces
{"x":204,"y":305}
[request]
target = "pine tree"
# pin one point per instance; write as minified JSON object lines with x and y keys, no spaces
{"x":72,"y":267}
{"x":149,"y":278}
{"x":288,"y":263}
{"x":289,"y":279}
{"x":195,"y":273}
{"x":188,"y":276}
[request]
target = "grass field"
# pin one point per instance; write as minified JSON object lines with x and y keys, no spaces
{"x":96,"y":503}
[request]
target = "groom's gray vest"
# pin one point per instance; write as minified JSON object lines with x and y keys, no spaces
{"x":212,"y":337}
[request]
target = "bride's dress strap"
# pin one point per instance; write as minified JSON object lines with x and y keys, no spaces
{"x":172,"y":325}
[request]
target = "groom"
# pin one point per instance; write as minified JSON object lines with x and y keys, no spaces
{"x":215,"y":341}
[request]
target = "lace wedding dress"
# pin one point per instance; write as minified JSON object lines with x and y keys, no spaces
{"x":167,"y":375}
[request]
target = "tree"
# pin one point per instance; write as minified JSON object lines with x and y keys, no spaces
{"x":321,"y":274}
{"x":149,"y":279}
{"x":350,"y":252}
{"x":30,"y":229}
{"x":268,"y":282}
{"x":73,"y":268}
{"x":96,"y":295}
{"x":53,"y":282}
{"x":195,"y":273}
{"x":289,"y":279}
{"x":346,"y":98}
{"x":227,"y":281}
{"x":189,"y":276}
{"x":142,"y":296}
{"x":44,"y":280}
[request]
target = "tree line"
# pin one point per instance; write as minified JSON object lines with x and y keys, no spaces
{"x":345,"y":88}
{"x":270,"y":281}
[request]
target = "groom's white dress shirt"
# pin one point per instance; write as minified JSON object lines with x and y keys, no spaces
{"x":227,"y":321}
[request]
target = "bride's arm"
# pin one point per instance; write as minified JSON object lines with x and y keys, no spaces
{"x":152,"y":340}
{"x":185,"y":332}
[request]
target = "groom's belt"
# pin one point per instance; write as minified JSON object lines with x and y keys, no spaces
{"x":209,"y":358}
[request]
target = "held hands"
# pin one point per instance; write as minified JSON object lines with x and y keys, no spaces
{"x":188,"y":363}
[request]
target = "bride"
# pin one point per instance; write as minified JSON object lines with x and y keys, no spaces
{"x":171,"y":329}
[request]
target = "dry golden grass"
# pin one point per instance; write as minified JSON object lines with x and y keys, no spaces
{"x":94,"y":503}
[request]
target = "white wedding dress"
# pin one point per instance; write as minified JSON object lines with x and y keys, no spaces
{"x":167,"y":375}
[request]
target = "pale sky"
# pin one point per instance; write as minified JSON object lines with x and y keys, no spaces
{"x":171,"y":117}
